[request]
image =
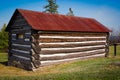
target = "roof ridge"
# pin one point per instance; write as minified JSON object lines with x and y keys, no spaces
{"x":52,"y":14}
{"x":58,"y":22}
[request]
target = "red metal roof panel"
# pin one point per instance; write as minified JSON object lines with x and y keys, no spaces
{"x":56,"y":22}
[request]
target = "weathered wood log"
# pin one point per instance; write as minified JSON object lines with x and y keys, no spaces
{"x":22,"y":42}
{"x":35,"y":57}
{"x":49,"y":40}
{"x":70,"y":45}
{"x":70,"y":56}
{"x":20,"y":53}
{"x":20,"y":31}
{"x":36,"y":48}
{"x":19,"y":20}
{"x":20,"y":23}
{"x":36,"y":63}
{"x":19,"y":62}
{"x":35,"y":51}
{"x":43,"y":33}
{"x":50,"y":62}
{"x":69,"y":50}
{"x":15,"y":57}
{"x":35,"y":44}
{"x":25,"y":48}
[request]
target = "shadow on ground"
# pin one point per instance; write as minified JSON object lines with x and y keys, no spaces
{"x":5,"y":63}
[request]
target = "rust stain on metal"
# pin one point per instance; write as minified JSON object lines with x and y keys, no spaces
{"x":56,"y":22}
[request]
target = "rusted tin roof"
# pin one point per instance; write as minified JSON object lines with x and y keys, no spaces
{"x":56,"y":22}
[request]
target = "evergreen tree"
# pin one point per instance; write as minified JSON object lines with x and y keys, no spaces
{"x":70,"y":13}
{"x":51,"y":7}
{"x":3,"y":38}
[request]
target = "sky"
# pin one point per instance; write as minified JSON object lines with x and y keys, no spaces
{"x":106,"y":12}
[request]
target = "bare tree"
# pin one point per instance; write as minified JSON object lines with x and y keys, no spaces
{"x":70,"y":13}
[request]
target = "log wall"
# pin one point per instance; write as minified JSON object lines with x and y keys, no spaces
{"x":45,"y":48}
{"x":58,"y":47}
{"x":20,"y":48}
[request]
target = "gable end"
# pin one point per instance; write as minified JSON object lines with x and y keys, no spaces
{"x":17,"y":21}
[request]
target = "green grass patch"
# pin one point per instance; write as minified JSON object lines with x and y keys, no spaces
{"x":89,"y":69}
{"x":112,"y":50}
{"x":3,"y":57}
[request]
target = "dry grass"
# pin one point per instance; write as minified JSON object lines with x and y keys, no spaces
{"x":92,"y":69}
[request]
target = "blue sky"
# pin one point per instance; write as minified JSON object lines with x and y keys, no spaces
{"x":105,"y":11}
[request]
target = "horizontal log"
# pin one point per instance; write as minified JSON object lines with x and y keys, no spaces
{"x":20,"y":23}
{"x":71,"y":37}
{"x":70,"y":45}
{"x":20,"y":58}
{"x":70,"y":34}
{"x":49,"y":40}
{"x":17,"y":61}
{"x":65,"y":43}
{"x":70,"y":56}
{"x":20,"y":20}
{"x":49,"y":62}
{"x":21,"y":45}
{"x":15,"y":52}
{"x":72,"y":48}
{"x":24,"y":48}
{"x":27,"y":52}
{"x":69,"y":50}
{"x":21,"y":31}
{"x":72,"y":53}
{"x":21,"y":41}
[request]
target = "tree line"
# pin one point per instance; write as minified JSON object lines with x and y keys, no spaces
{"x":3,"y":38}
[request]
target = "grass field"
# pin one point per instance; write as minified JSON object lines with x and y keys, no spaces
{"x":89,"y":69}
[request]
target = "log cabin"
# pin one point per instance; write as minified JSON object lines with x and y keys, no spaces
{"x":38,"y":39}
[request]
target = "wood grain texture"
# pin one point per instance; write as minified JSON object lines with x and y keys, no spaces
{"x":22,"y":42}
{"x":14,"y":52}
{"x":35,"y":51}
{"x":20,"y":62}
{"x":70,"y":45}
{"x":43,"y":33}
{"x":70,"y":50}
{"x":24,"y":48}
{"x":64,"y":54}
{"x":49,"y":40}
{"x":71,"y":56}
{"x":49,"y":62}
